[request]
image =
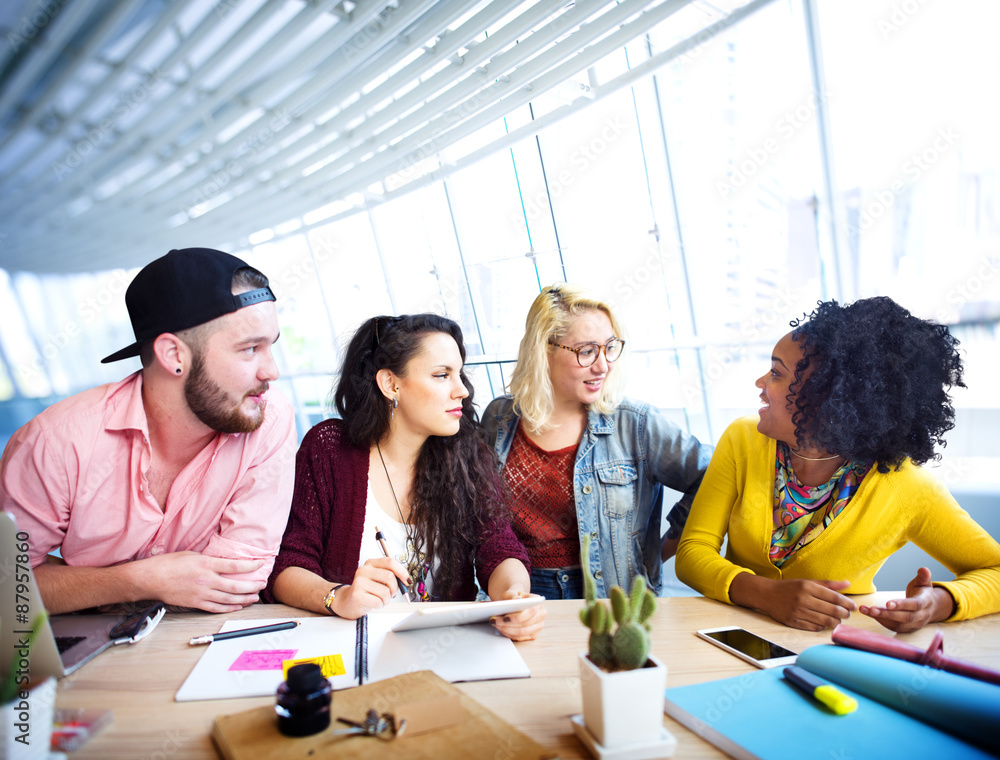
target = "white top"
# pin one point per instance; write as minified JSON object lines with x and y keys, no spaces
{"x":394,"y":533}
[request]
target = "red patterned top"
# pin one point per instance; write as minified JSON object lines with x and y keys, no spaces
{"x":541,"y":499}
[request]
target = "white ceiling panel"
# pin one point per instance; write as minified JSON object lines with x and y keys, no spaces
{"x":128,"y":128}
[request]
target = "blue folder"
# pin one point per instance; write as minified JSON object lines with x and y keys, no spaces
{"x":904,"y":710}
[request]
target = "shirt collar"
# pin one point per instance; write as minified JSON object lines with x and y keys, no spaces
{"x":600,"y":424}
{"x":128,"y":413}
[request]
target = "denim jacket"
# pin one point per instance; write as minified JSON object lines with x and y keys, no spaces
{"x":623,"y":460}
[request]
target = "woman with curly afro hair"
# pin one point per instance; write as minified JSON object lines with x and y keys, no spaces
{"x":825,"y":484}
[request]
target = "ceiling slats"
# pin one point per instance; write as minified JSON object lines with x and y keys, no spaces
{"x":322,"y":102}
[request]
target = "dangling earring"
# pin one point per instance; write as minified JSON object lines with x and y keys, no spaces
{"x":392,"y":407}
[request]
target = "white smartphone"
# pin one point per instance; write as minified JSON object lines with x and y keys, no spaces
{"x":749,"y":646}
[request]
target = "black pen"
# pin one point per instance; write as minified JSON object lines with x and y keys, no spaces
{"x":243,"y":632}
{"x":385,"y":553}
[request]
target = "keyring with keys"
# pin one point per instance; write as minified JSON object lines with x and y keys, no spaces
{"x":381,"y":726}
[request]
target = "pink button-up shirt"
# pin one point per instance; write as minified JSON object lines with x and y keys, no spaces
{"x":75,"y":479}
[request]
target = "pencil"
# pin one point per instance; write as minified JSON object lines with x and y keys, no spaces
{"x":242,"y":632}
{"x":385,"y":553}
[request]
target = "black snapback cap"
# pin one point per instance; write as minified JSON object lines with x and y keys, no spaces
{"x":183,"y":289}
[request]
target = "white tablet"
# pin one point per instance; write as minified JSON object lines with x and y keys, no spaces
{"x":462,"y":613}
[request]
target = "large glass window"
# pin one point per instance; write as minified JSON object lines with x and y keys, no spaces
{"x":696,"y":199}
{"x":917,"y":161}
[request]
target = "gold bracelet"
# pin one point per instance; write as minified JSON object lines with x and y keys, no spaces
{"x":330,"y":596}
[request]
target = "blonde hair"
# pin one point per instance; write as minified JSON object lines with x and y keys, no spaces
{"x":549,"y":319}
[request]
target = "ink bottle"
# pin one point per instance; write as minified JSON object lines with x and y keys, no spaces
{"x":303,"y":705}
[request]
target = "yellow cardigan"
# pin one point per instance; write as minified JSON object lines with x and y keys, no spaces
{"x":887,"y":511}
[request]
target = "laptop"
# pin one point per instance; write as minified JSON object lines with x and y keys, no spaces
{"x":65,"y":642}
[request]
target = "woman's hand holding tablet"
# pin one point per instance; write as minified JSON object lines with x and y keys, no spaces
{"x":463,"y":613}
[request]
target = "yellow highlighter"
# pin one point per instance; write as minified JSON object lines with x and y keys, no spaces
{"x":832,"y":697}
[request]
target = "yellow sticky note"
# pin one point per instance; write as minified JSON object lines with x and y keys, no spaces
{"x":331,"y":665}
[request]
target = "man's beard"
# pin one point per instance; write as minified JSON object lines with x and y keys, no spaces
{"x":213,"y":406}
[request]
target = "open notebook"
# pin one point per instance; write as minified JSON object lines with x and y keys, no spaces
{"x":251,"y":666}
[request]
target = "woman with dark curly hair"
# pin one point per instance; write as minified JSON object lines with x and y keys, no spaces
{"x":818,"y":491}
{"x":404,"y":461}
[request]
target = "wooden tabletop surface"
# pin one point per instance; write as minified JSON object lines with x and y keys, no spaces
{"x":138,"y":682}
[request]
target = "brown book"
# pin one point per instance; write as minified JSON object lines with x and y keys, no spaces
{"x":477,"y":732}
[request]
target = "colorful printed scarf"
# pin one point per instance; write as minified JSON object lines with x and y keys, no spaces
{"x":801,"y":512}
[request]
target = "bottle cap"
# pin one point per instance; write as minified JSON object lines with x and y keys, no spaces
{"x":305,"y":678}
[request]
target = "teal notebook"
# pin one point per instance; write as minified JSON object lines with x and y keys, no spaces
{"x":933,"y":714}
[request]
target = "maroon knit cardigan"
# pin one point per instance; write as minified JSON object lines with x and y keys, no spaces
{"x":327,"y":518}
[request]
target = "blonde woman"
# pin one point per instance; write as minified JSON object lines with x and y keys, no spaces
{"x":579,"y":459}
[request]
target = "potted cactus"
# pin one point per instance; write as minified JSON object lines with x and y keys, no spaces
{"x":621,"y":682}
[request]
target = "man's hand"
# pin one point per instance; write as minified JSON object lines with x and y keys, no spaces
{"x":191,"y":579}
{"x":923,"y":604}
{"x":182,"y":579}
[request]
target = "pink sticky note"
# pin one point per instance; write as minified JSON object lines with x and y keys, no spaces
{"x":262,"y":659}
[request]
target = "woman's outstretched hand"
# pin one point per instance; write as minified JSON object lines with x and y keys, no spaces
{"x":923,"y":604}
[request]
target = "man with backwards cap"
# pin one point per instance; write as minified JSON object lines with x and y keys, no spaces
{"x":173,"y":484}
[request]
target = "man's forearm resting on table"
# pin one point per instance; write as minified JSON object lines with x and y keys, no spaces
{"x":66,"y":589}
{"x":183,"y":579}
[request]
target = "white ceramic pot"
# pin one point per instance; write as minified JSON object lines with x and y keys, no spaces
{"x":624,"y":707}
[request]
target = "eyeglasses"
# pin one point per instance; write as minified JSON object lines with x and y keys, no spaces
{"x":587,"y":354}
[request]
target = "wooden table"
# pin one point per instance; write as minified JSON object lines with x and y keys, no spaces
{"x":138,"y":682}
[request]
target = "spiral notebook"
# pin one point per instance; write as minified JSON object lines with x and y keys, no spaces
{"x":352,"y":653}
